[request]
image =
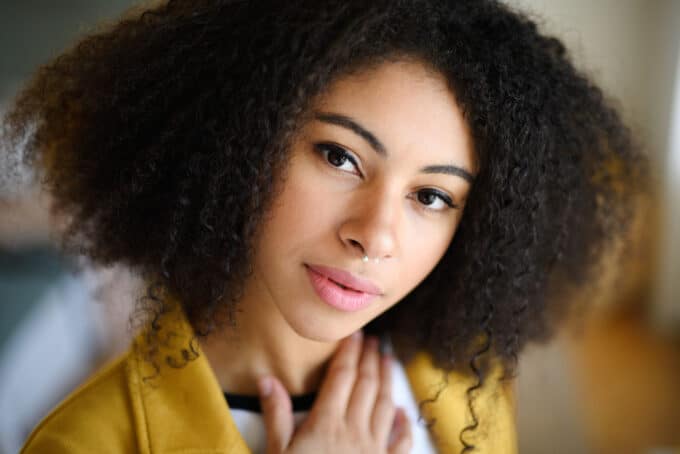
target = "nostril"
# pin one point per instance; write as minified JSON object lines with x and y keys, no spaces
{"x":357,"y":244}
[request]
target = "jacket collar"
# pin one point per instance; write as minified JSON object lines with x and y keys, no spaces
{"x":446,"y":403}
{"x":178,"y":405}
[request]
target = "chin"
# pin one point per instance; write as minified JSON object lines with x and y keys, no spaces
{"x":319,"y":331}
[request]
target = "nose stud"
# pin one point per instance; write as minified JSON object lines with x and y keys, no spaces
{"x":365,"y":259}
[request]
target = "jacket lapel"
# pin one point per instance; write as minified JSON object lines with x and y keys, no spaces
{"x":179,"y":409}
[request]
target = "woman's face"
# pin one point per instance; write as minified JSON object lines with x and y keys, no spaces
{"x":374,"y":172}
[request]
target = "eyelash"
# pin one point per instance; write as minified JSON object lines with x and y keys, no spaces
{"x":322,"y":148}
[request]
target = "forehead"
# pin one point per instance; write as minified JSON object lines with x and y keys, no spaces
{"x":408,"y":107}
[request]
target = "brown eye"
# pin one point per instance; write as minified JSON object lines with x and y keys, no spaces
{"x":434,"y":200}
{"x":337,"y":157}
{"x":426,"y":198}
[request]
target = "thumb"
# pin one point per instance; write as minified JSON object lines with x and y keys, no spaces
{"x":277,"y":412}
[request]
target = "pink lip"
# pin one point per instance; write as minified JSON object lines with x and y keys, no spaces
{"x":347,"y":279}
{"x":344,"y":299}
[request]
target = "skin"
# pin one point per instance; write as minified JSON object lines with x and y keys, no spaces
{"x":353,"y":411}
{"x":330,"y":212}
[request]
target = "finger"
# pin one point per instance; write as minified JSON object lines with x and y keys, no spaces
{"x":277,"y":412}
{"x":403,"y":439}
{"x":384,"y":409}
{"x":335,"y":390}
{"x":366,"y":384}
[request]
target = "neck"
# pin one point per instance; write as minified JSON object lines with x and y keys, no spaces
{"x":260,"y":343}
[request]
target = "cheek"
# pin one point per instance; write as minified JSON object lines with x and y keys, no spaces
{"x":301,"y":213}
{"x":420,"y":257}
{"x":423,"y":251}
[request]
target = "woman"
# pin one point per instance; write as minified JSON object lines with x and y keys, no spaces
{"x":288,"y":175}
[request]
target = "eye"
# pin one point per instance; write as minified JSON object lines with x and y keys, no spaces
{"x":433,"y":200}
{"x":338,"y":157}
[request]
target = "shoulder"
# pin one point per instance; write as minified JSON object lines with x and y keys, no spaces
{"x":96,"y":417}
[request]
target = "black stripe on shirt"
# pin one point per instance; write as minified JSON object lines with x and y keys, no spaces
{"x":302,"y":402}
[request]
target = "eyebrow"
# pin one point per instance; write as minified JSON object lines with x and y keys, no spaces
{"x":352,"y":125}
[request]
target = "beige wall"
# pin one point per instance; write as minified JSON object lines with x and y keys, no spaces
{"x":666,"y":310}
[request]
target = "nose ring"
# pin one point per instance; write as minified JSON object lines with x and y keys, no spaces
{"x":365,"y":259}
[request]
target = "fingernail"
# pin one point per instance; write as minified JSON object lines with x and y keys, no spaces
{"x":397,"y":427}
{"x":373,"y":342}
{"x":387,"y":359}
{"x":357,"y":335}
{"x":400,"y":420}
{"x":265,"y":386}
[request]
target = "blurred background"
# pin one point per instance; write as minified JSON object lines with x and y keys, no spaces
{"x":609,"y":382}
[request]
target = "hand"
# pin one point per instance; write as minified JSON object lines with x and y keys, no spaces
{"x":353,"y":411}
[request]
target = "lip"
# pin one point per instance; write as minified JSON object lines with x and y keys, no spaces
{"x":345,"y":299}
{"x":347,"y":279}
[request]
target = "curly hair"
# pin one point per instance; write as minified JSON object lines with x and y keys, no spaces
{"x":164,"y":136}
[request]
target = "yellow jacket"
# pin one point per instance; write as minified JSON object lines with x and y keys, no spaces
{"x":182,"y":410}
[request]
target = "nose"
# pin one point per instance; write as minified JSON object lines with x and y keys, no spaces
{"x":371,"y":227}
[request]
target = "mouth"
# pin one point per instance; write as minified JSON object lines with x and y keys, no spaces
{"x":344,"y":287}
{"x":346,"y":279}
{"x":336,"y":294}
